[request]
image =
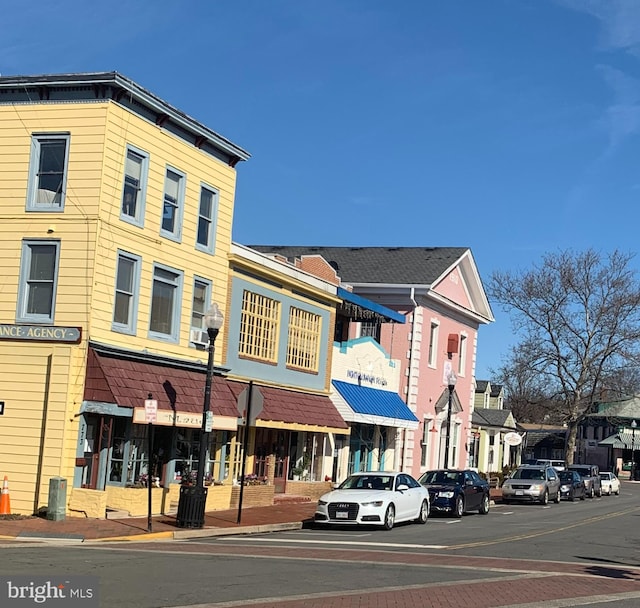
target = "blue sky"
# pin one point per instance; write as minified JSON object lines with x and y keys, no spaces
{"x":507,"y":126}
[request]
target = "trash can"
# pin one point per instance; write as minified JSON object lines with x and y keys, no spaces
{"x":191,"y":506}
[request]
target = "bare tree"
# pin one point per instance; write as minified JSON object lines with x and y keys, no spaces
{"x":579,"y":318}
{"x":526,"y":393}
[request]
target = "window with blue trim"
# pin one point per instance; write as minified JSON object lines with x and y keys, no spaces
{"x":48,"y":172}
{"x":38,"y":281}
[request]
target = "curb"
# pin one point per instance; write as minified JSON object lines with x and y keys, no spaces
{"x":201,"y":533}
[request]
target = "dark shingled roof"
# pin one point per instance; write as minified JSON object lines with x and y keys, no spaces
{"x":389,"y":265}
{"x":481,"y":386}
{"x":491,"y":417}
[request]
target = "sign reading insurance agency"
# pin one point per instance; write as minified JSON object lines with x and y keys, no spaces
{"x":40,"y":333}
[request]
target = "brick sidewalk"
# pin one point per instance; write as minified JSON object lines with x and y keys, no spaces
{"x":93,"y":529}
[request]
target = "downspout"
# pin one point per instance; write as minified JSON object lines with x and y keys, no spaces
{"x":409,"y":376}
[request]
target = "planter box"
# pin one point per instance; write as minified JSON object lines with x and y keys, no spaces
{"x":312,"y":489}
{"x":253,"y":496}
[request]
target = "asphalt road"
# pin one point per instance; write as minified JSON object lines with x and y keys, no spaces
{"x":583,"y":553}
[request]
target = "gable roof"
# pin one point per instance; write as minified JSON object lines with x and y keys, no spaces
{"x":481,"y":386}
{"x":372,"y":271}
{"x":386,"y":265}
{"x":491,"y":417}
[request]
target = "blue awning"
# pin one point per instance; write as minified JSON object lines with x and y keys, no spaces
{"x":363,"y":303}
{"x":376,"y":406}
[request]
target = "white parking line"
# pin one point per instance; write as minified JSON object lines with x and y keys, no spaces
{"x":335,"y":542}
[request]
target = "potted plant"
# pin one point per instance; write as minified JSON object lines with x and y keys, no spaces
{"x":297,"y":472}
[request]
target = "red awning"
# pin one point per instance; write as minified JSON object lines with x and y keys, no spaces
{"x":127,"y":383}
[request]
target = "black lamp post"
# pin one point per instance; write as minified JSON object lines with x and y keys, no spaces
{"x":633,"y":449}
{"x":193,"y":499}
{"x":452,"y":385}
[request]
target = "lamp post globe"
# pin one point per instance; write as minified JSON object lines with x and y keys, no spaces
{"x":192,"y":502}
{"x":451,"y":380}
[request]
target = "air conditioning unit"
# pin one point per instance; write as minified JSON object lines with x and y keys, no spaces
{"x":199,"y":337}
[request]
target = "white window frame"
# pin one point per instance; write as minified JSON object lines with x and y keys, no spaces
{"x":137,"y":219}
{"x":212,"y":221}
{"x":130,"y":326}
{"x":176,"y":285}
{"x":27,"y":282}
{"x":208,"y":285}
{"x":177,"y":205}
{"x":462,"y":355}
{"x":433,"y":343}
{"x":424,"y":442}
{"x":37,"y":139}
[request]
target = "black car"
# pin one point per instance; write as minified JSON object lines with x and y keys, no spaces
{"x":571,"y":485}
{"x":455,"y":491}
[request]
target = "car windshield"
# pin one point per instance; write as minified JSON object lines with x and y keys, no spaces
{"x":367,"y":482}
{"x":605,"y":476}
{"x":529,"y":474}
{"x":565,"y":475}
{"x":442,"y":477}
{"x":582,"y":472}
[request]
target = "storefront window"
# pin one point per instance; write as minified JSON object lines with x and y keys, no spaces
{"x":137,"y":467}
{"x":119,"y":444}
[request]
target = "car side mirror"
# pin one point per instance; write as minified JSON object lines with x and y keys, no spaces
{"x":402,"y":487}
{"x":335,"y":486}
{"x":468,"y":482}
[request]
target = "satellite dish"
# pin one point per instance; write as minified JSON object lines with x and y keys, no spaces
{"x":513,"y":439}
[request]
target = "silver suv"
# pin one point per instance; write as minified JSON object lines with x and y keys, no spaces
{"x":532,"y":483}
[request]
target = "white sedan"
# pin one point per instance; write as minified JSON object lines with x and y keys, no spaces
{"x":375,"y":498}
{"x":610,"y":484}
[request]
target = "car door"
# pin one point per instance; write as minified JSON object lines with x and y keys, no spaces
{"x":553,"y":482}
{"x":472,"y":491}
{"x":405,"y":499}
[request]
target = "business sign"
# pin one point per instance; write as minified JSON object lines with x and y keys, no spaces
{"x":184,"y":419}
{"x":40,"y":333}
{"x":513,"y":439}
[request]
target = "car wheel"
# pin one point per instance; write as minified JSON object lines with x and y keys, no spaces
{"x":599,"y":493}
{"x":583,"y":495}
{"x":545,"y":498}
{"x":484,"y":505}
{"x":572,"y":496}
{"x":458,"y":509}
{"x":424,"y":513}
{"x":618,"y":493}
{"x":557,"y":498}
{"x":591,"y":493}
{"x":389,"y":517}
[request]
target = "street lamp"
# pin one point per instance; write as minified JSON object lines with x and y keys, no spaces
{"x":633,"y":449}
{"x":452,"y":385}
{"x":193,"y":500}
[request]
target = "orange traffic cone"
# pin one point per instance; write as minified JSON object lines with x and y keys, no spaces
{"x":5,"y":503}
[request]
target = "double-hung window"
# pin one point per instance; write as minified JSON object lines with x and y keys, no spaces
{"x":207,"y":214}
{"x":424,"y":444}
{"x":303,"y":346}
{"x":125,"y":309}
{"x":166,"y":295}
{"x":433,"y":344}
{"x":200,"y":305}
{"x":48,"y":172}
{"x":259,"y":321}
{"x":38,"y":281}
{"x":135,"y":183}
{"x":173,"y":204}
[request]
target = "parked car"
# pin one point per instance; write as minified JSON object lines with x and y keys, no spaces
{"x":374,"y":497}
{"x":571,"y":485}
{"x":558,"y":465}
{"x":456,"y":491}
{"x":610,"y":483}
{"x":532,"y":483}
{"x":591,"y":477}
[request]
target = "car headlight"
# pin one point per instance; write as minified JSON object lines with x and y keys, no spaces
{"x":537,"y":486}
{"x":373,"y":503}
{"x":564,"y":488}
{"x":323,"y":502}
{"x":445,"y":494}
